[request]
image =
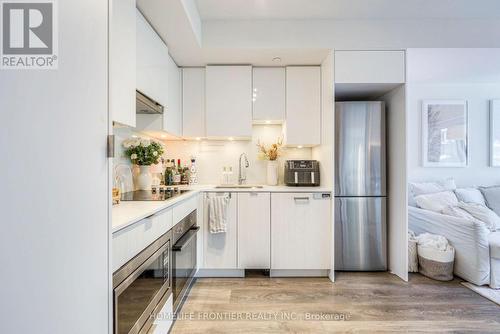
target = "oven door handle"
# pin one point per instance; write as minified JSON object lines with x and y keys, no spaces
{"x":185,"y":239}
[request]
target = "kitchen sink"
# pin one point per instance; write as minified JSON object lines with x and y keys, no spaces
{"x":240,"y":186}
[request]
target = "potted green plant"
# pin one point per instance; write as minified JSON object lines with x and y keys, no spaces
{"x":143,"y":152}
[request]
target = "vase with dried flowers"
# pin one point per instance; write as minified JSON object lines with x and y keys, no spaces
{"x":271,"y":154}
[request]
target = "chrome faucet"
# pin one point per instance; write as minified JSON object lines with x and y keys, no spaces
{"x":242,"y":178}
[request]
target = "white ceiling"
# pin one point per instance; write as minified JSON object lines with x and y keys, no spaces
{"x":200,"y":32}
{"x":263,"y":57}
{"x":347,"y":9}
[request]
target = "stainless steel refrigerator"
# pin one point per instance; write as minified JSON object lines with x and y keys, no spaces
{"x":360,"y":187}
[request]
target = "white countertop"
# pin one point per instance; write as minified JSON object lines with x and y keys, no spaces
{"x":264,"y":189}
{"x":129,"y":212}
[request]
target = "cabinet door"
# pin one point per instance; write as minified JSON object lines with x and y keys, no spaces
{"x":229,"y":101}
{"x":300,"y":231}
{"x":268,"y":94}
{"x":254,"y":231}
{"x":369,"y":66}
{"x":173,"y":112}
{"x":122,"y":60}
{"x":193,"y":102}
{"x":220,"y":249}
{"x":303,"y":108}
{"x":152,"y":62}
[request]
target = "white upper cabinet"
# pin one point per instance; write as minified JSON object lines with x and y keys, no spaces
{"x":254,"y":230}
{"x":193,"y":102}
{"x":173,"y":111}
{"x":229,"y":101}
{"x":303,"y":106}
{"x":122,"y":73}
{"x":268,"y":94}
{"x":369,"y":66}
{"x":152,"y":63}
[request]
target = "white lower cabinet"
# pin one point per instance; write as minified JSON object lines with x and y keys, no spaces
{"x":254,"y":230}
{"x":300,"y":231}
{"x":285,"y":232}
{"x":130,"y":241}
{"x":220,"y":249}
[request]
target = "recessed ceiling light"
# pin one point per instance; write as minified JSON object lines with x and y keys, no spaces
{"x":276,"y":60}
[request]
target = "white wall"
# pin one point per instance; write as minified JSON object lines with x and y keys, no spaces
{"x":211,"y":156}
{"x":54,"y":199}
{"x":472,"y":75}
{"x":397,"y":228}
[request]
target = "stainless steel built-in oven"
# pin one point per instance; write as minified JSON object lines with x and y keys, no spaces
{"x":141,"y":287}
{"x":184,"y":239}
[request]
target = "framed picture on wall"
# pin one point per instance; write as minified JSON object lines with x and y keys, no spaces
{"x":495,"y":133}
{"x":445,"y":133}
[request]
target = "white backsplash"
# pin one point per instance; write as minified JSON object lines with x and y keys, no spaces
{"x":211,"y":156}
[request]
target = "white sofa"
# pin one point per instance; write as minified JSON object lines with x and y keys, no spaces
{"x":477,"y":249}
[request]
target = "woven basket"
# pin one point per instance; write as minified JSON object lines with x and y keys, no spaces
{"x":436,"y":264}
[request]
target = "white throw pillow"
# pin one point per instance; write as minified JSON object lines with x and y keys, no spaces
{"x":432,"y":187}
{"x":470,"y":195}
{"x":436,"y":202}
{"x":422,"y":188}
{"x":455,"y":211}
{"x":482,"y":213}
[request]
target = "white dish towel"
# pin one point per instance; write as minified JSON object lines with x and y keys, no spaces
{"x":217,"y":213}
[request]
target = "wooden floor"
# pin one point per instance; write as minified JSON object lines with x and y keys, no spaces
{"x":355,"y":303}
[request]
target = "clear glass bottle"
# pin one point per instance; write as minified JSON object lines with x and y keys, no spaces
{"x":193,"y":177}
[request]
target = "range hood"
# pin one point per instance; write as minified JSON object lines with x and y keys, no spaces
{"x":145,"y":105}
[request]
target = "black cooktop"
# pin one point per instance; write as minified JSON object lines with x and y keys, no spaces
{"x":149,"y":195}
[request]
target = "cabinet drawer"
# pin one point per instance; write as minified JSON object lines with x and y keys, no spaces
{"x":130,"y":241}
{"x":184,"y":208}
{"x":162,"y":222}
